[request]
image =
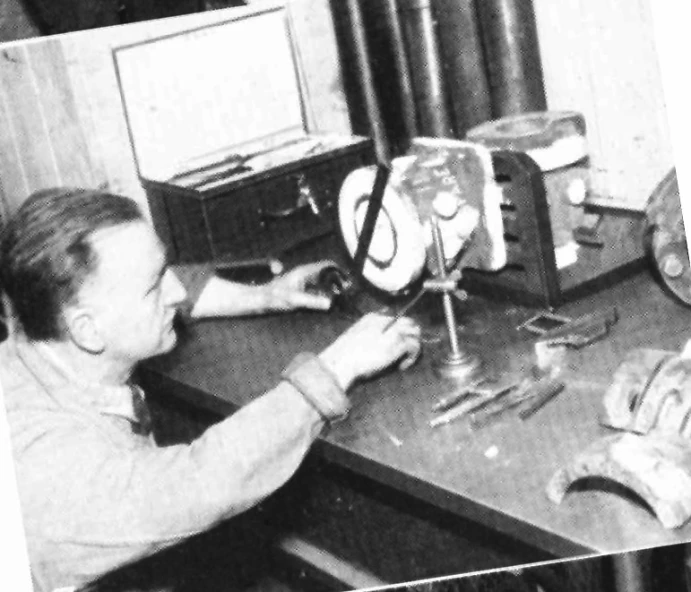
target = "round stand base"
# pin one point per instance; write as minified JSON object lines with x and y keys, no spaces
{"x":463,"y":367}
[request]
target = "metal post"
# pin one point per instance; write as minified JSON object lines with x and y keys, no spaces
{"x":455,"y":364}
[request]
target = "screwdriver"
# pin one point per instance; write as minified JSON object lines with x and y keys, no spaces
{"x":403,"y":311}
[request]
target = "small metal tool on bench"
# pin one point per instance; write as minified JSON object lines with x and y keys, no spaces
{"x":542,"y":393}
{"x":467,"y":401}
{"x":582,"y":330}
{"x":446,"y":403}
{"x":539,"y":385}
{"x":535,"y":393}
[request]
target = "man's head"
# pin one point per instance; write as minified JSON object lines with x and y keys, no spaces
{"x":87,"y":266}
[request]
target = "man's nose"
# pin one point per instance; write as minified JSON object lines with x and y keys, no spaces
{"x":175,"y":292}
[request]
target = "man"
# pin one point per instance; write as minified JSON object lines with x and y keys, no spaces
{"x":91,"y":295}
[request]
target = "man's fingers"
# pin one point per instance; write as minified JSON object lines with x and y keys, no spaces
{"x":411,"y":353}
{"x":408,"y":346}
{"x":311,"y":270}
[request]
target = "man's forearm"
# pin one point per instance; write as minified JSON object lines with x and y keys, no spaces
{"x":221,"y":298}
{"x":211,"y":296}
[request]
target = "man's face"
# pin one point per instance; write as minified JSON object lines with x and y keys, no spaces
{"x":133,"y":295}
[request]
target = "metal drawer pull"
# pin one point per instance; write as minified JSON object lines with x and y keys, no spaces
{"x":305,"y":199}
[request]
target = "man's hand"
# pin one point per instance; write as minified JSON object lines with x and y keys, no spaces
{"x":223,"y":298}
{"x":369,"y":347}
{"x":289,"y":291}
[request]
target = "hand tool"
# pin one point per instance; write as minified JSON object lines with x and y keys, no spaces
{"x":476,"y":399}
{"x":447,"y":402}
{"x":542,"y":392}
{"x":582,"y":330}
{"x":402,"y":312}
{"x":535,"y":392}
{"x":497,"y":407}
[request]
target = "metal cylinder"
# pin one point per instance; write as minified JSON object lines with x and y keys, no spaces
{"x":426,"y":68}
{"x":449,"y":315}
{"x":405,"y":82}
{"x":366,"y":80}
{"x":451,"y":326}
{"x":447,"y":284}
{"x":512,"y":56}
{"x":464,"y":66}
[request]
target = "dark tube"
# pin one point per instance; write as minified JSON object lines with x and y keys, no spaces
{"x":367,"y":83}
{"x":464,"y":64}
{"x":426,"y":67}
{"x":405,"y":82}
{"x":512,"y":56}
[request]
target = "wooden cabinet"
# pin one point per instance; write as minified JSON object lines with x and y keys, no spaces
{"x":265,"y":214}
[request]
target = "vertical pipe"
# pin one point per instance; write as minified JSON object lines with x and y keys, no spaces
{"x":449,"y":315}
{"x":464,"y":64}
{"x":426,"y":67}
{"x":512,"y":56}
{"x":404,"y":77}
{"x":367,"y":82}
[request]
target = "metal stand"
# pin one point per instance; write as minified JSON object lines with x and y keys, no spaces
{"x":454,"y":364}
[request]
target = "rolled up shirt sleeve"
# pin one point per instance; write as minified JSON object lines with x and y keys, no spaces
{"x":318,"y":385}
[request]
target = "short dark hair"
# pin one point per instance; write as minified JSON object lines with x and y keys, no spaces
{"x":46,"y":252}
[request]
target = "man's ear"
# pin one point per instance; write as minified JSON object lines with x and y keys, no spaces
{"x":83,"y":329}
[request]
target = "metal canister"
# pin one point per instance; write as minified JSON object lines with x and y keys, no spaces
{"x":512,"y":54}
{"x":420,"y":32}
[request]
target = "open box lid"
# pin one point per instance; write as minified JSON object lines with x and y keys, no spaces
{"x":207,"y":95}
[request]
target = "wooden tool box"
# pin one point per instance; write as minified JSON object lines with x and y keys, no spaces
{"x":216,"y":119}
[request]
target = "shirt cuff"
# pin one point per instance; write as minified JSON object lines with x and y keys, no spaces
{"x":315,"y":382}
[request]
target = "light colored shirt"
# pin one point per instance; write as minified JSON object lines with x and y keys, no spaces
{"x":96,"y":496}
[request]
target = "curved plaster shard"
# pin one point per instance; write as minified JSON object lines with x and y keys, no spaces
{"x":656,"y":467}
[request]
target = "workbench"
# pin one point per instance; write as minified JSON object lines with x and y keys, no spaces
{"x":400,"y":500}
